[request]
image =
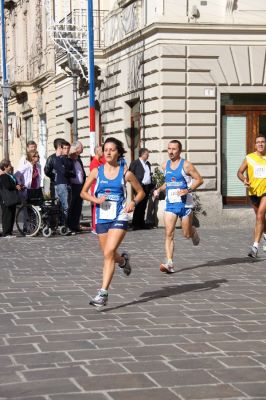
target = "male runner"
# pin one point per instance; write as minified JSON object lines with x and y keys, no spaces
{"x":255,"y":179}
{"x":181,"y":178}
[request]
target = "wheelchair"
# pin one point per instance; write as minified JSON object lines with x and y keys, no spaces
{"x":40,"y":216}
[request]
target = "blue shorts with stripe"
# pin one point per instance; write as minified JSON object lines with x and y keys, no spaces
{"x":105,"y":227}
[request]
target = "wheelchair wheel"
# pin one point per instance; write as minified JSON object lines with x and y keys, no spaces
{"x":63,"y":230}
{"x":46,"y":231}
{"x":28,"y":220}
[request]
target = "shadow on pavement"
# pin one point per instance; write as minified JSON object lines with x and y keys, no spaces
{"x":169,"y":291}
{"x":224,"y":262}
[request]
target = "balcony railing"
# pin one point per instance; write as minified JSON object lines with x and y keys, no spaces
{"x":72,"y":31}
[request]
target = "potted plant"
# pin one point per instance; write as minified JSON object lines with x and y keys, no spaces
{"x":158,"y":181}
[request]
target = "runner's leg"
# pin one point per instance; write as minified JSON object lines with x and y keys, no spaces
{"x":112,"y":241}
{"x":169,"y":222}
{"x":189,"y":231}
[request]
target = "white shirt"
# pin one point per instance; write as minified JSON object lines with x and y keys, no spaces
{"x":79,"y":173}
{"x":147,"y":175}
{"x":24,"y":174}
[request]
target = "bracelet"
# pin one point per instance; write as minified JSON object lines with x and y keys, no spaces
{"x":189,"y":190}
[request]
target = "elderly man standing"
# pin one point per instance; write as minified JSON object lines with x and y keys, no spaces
{"x":97,"y":160}
{"x":77,"y":183}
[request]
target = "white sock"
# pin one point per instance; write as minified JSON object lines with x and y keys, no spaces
{"x":104,"y":291}
{"x":256,"y":244}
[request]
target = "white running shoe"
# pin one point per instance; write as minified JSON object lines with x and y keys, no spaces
{"x":100,"y":299}
{"x":195,"y":238}
{"x":167,"y":267}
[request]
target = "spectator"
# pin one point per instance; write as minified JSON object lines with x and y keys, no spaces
{"x":7,"y":182}
{"x":97,"y":160}
{"x":48,"y":169}
{"x":30,"y":146}
{"x":28,"y":175}
{"x":59,"y":168}
{"x":77,"y":183}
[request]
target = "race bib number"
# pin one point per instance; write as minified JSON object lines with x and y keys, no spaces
{"x":173,"y":196}
{"x":108,"y":210}
{"x":260,"y":171}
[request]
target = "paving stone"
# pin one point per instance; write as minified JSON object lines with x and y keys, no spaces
{"x":148,"y":394}
{"x":258,"y":390}
{"x":177,"y":378}
{"x":98,"y":354}
{"x":239,"y":361}
{"x":54,"y":373}
{"x":42,"y":358}
{"x":147,"y":366}
{"x":37,"y":388}
{"x":124,"y":381}
{"x":244,"y":374}
{"x":205,"y":392}
{"x":66,"y":345}
{"x":80,"y":396}
{"x":205,"y":363}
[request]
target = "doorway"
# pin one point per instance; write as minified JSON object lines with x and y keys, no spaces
{"x":240,"y":126}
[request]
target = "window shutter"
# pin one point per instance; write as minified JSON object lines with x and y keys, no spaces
{"x":233,"y":153}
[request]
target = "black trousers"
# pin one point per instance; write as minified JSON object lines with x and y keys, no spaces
{"x":138,"y":221}
{"x":75,"y":208}
{"x":8,"y":219}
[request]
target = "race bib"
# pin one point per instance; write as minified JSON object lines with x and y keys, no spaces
{"x":108,"y":210}
{"x":173,"y":196}
{"x":260,"y":171}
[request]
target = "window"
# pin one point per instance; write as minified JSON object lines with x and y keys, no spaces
{"x":29,"y":128}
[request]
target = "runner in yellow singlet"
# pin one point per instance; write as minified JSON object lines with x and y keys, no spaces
{"x":252,"y":173}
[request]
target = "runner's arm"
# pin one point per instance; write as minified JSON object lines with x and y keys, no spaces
{"x":140,"y":194}
{"x":195,"y":175}
{"x":240,"y":173}
{"x":85,"y":195}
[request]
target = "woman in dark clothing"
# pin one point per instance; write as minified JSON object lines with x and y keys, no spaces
{"x":7,"y":181}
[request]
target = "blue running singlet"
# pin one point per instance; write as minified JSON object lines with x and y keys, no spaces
{"x":115,"y":190}
{"x":177,"y":179}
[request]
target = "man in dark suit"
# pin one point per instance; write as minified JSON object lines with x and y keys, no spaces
{"x":141,"y":168}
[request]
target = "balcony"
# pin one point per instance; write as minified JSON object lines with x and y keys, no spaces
{"x":72,"y":31}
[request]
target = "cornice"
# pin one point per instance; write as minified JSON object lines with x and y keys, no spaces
{"x":152,"y":29}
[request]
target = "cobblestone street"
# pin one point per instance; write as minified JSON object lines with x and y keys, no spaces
{"x":199,"y":333}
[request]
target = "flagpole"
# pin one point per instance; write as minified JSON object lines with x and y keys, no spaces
{"x":91,"y":77}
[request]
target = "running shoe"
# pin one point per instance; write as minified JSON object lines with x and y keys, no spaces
{"x":126,"y":267}
{"x":195,"y":238}
{"x":167,"y":267}
{"x":253,"y":252}
{"x":100,"y":299}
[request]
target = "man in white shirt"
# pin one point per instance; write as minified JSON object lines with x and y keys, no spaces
{"x":141,"y":168}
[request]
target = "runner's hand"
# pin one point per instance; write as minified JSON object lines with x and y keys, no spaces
{"x":100,"y":200}
{"x":155,"y":194}
{"x":246,"y":182}
{"x":182,"y":192}
{"x":129,"y":207}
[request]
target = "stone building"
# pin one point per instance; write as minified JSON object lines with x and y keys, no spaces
{"x":187,"y":69}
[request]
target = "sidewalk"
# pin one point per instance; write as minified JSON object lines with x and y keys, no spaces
{"x":199,"y":333}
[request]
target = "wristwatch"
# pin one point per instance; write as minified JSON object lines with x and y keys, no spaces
{"x":189,"y":190}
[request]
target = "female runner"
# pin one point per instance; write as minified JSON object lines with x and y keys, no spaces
{"x":111,"y":211}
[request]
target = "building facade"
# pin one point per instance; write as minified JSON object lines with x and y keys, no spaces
{"x":192,"y":70}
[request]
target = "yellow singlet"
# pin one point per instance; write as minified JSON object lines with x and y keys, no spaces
{"x":256,"y":174}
